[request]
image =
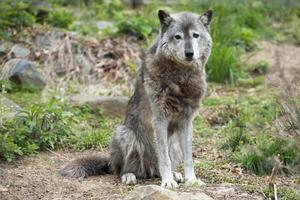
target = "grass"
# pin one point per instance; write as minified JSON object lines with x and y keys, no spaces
{"x":284,"y":193}
{"x":246,"y":126}
{"x":53,"y":125}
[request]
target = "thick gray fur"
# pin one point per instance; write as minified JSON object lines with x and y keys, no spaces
{"x":157,"y":132}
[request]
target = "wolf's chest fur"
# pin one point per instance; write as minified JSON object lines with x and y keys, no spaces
{"x":177,"y":89}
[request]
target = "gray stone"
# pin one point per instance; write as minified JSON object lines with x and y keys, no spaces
{"x":225,"y":189}
{"x":104,"y":24}
{"x":83,"y":62}
{"x":112,"y":106}
{"x":23,"y":73}
{"x":20,"y":52}
{"x":155,"y":192}
{"x":230,"y":191}
{"x":8,"y":108}
{"x":221,"y":191}
{"x":49,"y":40}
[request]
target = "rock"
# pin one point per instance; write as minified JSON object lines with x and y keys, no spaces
{"x":112,"y":106}
{"x":230,"y":191}
{"x":23,"y":73}
{"x":8,"y":108}
{"x":83,"y":62}
{"x":104,"y":24}
{"x":151,"y":192}
{"x":221,"y":191}
{"x":20,"y":52}
{"x":225,"y":189}
{"x":49,"y":40}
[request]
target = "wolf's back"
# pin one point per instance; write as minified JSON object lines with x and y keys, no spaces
{"x":84,"y":167}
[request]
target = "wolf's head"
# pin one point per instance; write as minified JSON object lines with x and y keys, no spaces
{"x":184,"y":37}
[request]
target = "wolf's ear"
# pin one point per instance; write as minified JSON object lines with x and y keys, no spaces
{"x":206,"y":18}
{"x":164,"y":18}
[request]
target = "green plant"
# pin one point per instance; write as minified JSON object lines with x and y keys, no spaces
{"x":39,"y":127}
{"x":95,"y":132}
{"x":93,"y":139}
{"x":15,"y":15}
{"x":135,"y":25}
{"x":258,"y":68}
{"x":60,"y":17}
{"x":224,"y":64}
{"x":283,"y":193}
{"x":235,"y":138}
{"x":260,"y":157}
{"x":248,"y":133}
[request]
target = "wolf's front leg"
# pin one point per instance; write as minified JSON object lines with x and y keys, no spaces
{"x":164,"y":162}
{"x":185,"y":138}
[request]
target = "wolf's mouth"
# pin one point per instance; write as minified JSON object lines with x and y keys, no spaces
{"x":189,"y":59}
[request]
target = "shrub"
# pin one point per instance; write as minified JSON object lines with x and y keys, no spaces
{"x":14,"y":15}
{"x":224,"y":65}
{"x":37,"y":128}
{"x":61,"y":18}
{"x":53,"y":125}
{"x":139,"y":26}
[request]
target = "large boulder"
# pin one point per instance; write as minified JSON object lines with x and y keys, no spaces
{"x":112,"y":106}
{"x":23,"y":73}
{"x":151,"y":192}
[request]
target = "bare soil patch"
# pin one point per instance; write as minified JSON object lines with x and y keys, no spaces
{"x":36,"y":178}
{"x":283,"y":60}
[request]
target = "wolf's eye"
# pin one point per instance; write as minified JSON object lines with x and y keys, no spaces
{"x":196,"y":35}
{"x":177,"y":37}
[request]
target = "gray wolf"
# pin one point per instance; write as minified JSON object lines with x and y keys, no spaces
{"x":157,"y":132}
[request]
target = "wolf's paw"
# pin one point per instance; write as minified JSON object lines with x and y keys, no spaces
{"x":170,"y":184}
{"x":194,"y":183}
{"x":178,"y":177}
{"x":128,"y":178}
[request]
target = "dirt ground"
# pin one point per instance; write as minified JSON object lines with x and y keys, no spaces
{"x":283,"y":60}
{"x":36,"y":177}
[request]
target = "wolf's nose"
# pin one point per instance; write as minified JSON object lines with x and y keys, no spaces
{"x":189,"y":54}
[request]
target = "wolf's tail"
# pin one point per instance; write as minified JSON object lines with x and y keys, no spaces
{"x":84,"y":167}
